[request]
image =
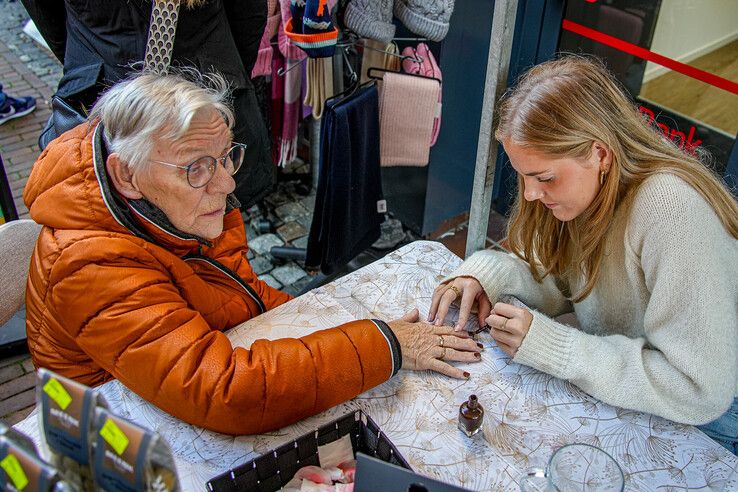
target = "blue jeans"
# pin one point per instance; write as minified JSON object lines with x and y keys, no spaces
{"x":724,"y":430}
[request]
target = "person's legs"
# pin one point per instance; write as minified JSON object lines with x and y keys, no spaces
{"x":14,"y":107}
{"x":724,"y":430}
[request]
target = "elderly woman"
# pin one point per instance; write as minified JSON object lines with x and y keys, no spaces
{"x":141,"y":265}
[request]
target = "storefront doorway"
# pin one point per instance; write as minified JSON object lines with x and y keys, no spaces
{"x":677,"y":58}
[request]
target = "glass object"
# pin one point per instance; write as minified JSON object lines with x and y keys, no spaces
{"x":576,"y":467}
{"x":202,"y":169}
{"x":471,"y":415}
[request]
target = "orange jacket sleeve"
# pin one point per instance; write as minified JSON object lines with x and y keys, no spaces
{"x":137,"y":326}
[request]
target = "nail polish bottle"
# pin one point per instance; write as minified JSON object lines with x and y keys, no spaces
{"x":471,"y":415}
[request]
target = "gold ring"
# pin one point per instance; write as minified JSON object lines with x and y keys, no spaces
{"x":504,"y":323}
{"x":440,"y":339}
{"x":455,"y":289}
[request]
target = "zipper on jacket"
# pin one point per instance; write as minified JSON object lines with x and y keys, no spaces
{"x":232,"y":275}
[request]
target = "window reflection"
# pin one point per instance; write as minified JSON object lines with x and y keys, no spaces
{"x":691,"y":93}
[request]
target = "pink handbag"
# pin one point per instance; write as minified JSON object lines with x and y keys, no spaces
{"x":429,"y":68}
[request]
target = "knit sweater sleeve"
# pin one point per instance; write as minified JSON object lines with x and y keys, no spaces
{"x":503,"y":274}
{"x":685,"y":366}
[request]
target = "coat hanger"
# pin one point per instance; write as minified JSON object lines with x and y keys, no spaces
{"x":350,"y":91}
{"x":353,"y":78}
{"x":353,"y":39}
{"x":352,"y":73}
{"x":416,"y":59}
{"x":371,"y":75}
{"x":281,"y":72}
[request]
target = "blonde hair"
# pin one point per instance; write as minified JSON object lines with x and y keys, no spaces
{"x":137,"y":111}
{"x":559,"y":108}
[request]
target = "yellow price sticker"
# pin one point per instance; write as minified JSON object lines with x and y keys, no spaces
{"x":13,"y":468}
{"x":56,"y":392}
{"x":114,"y":436}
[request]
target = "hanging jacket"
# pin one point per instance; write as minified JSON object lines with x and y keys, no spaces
{"x":115,"y":291}
{"x":99,"y":41}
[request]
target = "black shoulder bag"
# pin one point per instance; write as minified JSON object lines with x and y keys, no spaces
{"x":159,"y":45}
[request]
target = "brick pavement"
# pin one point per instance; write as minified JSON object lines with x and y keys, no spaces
{"x":26,"y":69}
{"x":17,"y":387}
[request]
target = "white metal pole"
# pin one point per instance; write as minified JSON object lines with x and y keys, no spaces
{"x":498,"y":67}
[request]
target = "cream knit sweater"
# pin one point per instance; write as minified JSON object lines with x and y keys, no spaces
{"x":659,"y":332}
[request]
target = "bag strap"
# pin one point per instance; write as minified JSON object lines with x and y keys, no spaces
{"x":162,"y":28}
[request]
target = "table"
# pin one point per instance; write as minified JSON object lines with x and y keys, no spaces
{"x":528,"y":413}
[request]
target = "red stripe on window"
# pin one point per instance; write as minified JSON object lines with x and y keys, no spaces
{"x":619,"y":44}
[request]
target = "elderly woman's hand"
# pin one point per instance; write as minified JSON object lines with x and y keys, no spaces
{"x":425,"y":346}
{"x":509,"y":325}
{"x":471,"y":293}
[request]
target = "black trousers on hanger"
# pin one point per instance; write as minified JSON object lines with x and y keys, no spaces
{"x":346,"y":219}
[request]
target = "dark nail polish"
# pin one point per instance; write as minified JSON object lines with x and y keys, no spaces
{"x":480,"y":345}
{"x":466,"y":375}
{"x":477,"y":355}
{"x":471,"y":416}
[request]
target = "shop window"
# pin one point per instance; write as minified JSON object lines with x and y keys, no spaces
{"x":678,"y":58}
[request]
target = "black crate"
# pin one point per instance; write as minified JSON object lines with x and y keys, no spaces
{"x":274,"y":469}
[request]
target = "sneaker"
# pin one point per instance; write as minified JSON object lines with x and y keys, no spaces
{"x":14,"y":107}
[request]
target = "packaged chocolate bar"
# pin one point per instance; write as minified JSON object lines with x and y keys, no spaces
{"x":23,"y":470}
{"x":18,"y":438}
{"x":127,"y":457}
{"x":66,"y":413}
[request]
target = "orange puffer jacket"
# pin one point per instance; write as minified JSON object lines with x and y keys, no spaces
{"x":114,"y":291}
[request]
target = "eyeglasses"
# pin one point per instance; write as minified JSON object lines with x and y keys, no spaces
{"x":202,"y":170}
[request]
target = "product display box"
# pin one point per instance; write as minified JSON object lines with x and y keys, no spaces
{"x":274,"y":469}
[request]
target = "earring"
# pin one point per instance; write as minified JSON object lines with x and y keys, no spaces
{"x":602,"y":177}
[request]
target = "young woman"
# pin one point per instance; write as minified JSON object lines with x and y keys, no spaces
{"x":637,"y":237}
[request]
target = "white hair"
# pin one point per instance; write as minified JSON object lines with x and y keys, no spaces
{"x":146,"y":107}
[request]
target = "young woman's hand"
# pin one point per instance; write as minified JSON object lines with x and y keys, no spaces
{"x":509,"y":325}
{"x":425,"y":346}
{"x":472,"y":294}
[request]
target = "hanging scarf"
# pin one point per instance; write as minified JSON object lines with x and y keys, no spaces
{"x":277,"y":104}
{"x":292,"y":90}
{"x":263,"y":65}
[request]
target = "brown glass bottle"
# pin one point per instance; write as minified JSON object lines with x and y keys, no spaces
{"x":471,"y":415}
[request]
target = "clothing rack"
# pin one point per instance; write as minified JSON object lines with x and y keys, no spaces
{"x":352,"y":39}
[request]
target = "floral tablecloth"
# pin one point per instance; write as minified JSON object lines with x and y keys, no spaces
{"x":528,"y":414}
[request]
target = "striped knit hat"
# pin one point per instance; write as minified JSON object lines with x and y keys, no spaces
{"x":311,"y":28}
